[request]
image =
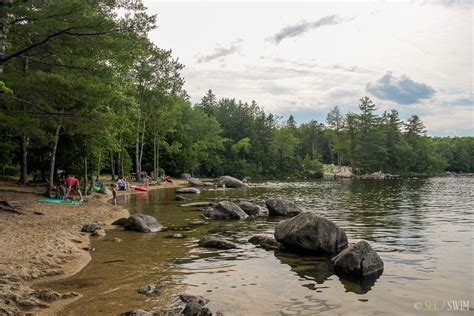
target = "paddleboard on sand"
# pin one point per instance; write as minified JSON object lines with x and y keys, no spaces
{"x":56,"y":201}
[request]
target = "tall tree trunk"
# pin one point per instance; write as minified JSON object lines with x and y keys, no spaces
{"x":313,"y":149}
{"x":85,"y":175}
{"x":330,"y":151}
{"x":4,"y":4}
{"x":142,"y":144}
{"x":25,"y":141}
{"x":157,"y":159}
{"x":121,"y":167}
{"x":112,"y":165}
{"x":154,"y":157}
{"x":137,"y":155}
{"x":53,"y":156}
{"x":98,"y":166}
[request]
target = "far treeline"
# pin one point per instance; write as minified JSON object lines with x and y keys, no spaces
{"x":82,"y":89}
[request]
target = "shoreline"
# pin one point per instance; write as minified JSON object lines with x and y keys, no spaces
{"x":43,"y":243}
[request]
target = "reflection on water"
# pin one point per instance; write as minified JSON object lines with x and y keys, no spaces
{"x":421,"y":228}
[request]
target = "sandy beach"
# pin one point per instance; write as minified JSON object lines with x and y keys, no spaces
{"x":42,"y":241}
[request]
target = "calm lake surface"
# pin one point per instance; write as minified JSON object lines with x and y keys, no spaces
{"x":421,"y":228}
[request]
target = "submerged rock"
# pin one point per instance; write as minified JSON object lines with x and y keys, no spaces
{"x":281,"y":207}
{"x":266,"y":241}
{"x":231,"y":182}
{"x":137,"y":312}
{"x":252,"y":209}
{"x":142,"y":223}
{"x":358,"y":260}
{"x":150,"y":290}
{"x":48,"y":295}
{"x":308,"y":231}
{"x":216,"y":242}
{"x":186,"y":298}
{"x":90,"y":228}
{"x":180,"y":198}
{"x":188,"y":191}
{"x":225,"y":210}
{"x":197,"y":204}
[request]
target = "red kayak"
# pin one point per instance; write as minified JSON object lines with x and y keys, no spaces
{"x":138,"y":187}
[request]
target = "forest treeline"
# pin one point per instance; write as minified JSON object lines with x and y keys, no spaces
{"x":82,"y":89}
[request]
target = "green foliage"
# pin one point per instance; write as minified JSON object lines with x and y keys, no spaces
{"x":311,"y":168}
{"x":84,"y":90}
{"x":4,"y":88}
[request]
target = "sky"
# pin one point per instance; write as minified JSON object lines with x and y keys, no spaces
{"x":304,"y":58}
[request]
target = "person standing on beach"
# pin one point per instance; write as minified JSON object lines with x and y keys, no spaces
{"x":114,"y":193}
{"x":72,"y":182}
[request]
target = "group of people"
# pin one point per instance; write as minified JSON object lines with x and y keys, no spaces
{"x":66,"y":186}
{"x":72,"y":183}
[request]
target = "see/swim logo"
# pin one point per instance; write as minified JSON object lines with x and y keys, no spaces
{"x":445,"y":306}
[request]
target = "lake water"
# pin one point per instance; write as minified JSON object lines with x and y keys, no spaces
{"x":421,"y":228}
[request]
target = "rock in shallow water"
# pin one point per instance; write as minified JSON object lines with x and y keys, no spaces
{"x":196,"y":309}
{"x":311,"y":232}
{"x":358,"y":260}
{"x":90,"y":228}
{"x":180,"y":198}
{"x":281,"y":207}
{"x":150,"y":290}
{"x":265,"y":241}
{"x":252,"y":209}
{"x":216,"y":242}
{"x":195,"y":305}
{"x":194,"y":182}
{"x":142,"y":223}
{"x":225,"y":210}
{"x":188,"y":191}
{"x":231,"y":182}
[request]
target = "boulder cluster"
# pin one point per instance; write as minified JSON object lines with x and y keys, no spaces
{"x":301,"y":232}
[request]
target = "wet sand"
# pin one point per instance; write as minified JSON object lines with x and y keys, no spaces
{"x":42,"y":241}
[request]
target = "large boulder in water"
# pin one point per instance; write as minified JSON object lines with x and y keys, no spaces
{"x":188,"y":191}
{"x":281,"y":207}
{"x":231,"y":182}
{"x":142,"y":223}
{"x":194,"y":182}
{"x":358,"y":260}
{"x":252,"y":209}
{"x":311,"y":232}
{"x":225,"y":210}
{"x":216,"y":242}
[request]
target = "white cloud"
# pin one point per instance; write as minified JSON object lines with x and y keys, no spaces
{"x":431,"y":44}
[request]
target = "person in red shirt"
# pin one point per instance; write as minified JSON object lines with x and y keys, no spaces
{"x":72,"y":182}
